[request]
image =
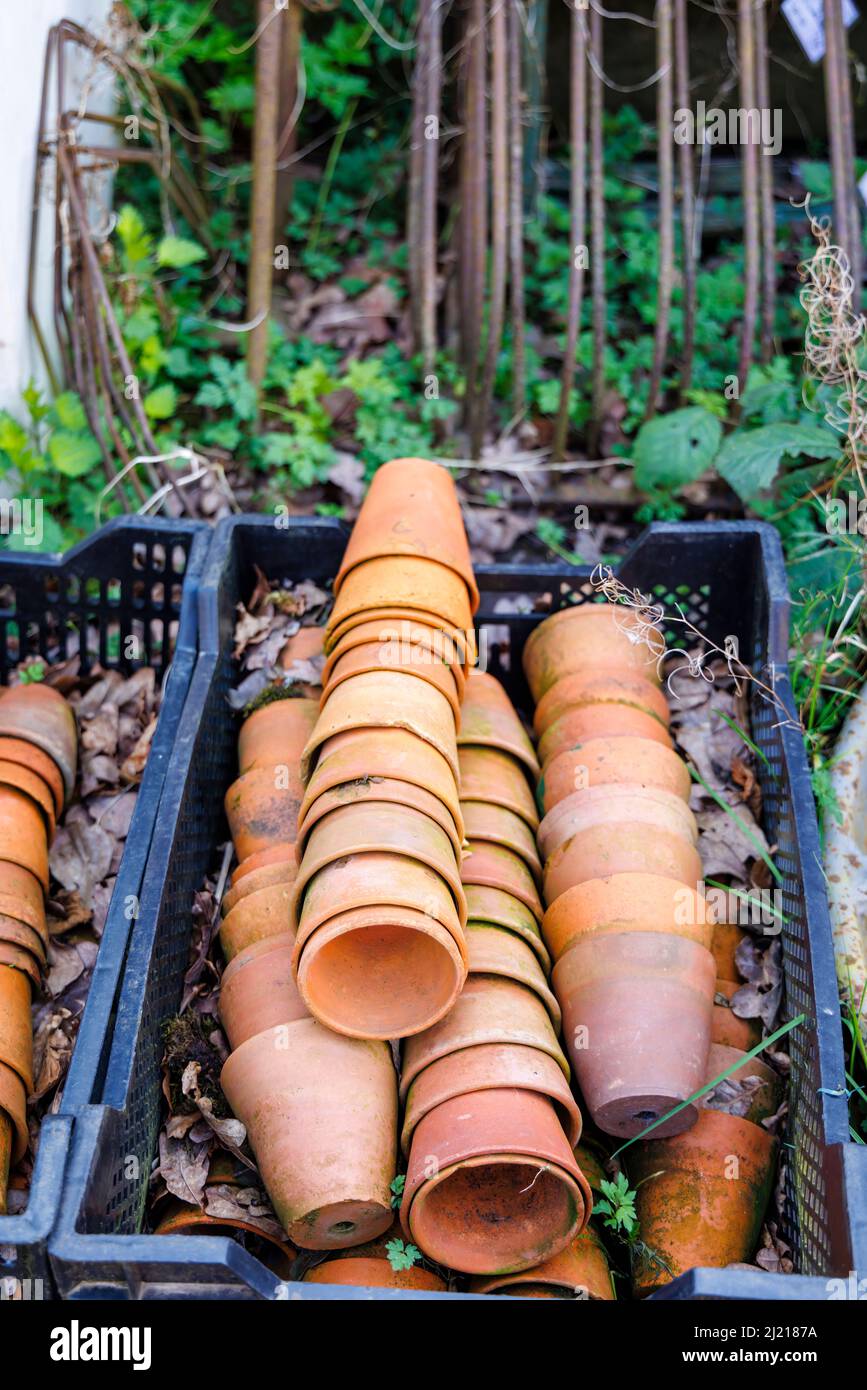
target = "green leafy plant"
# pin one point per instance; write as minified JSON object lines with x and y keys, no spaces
{"x":617,"y":1207}
{"x":401,"y":1255}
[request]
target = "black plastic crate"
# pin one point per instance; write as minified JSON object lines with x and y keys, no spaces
{"x":133,"y":578}
{"x":734,"y":587}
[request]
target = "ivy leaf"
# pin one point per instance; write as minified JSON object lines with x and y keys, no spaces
{"x":672,"y":450}
{"x":749,"y":460}
{"x":177,"y":252}
{"x":161,"y":403}
{"x":73,"y":454}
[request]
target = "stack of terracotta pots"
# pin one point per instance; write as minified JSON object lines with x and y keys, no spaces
{"x":490,"y":1122}
{"x":728,"y":1029}
{"x":38,"y":762}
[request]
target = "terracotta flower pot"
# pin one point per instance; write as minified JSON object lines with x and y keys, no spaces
{"x":579,"y":1271}
{"x":636,"y":1023}
{"x":489,"y":720}
{"x":591,"y":1160}
{"x":13,"y":1103}
{"x":21,"y":896}
{"x":258,"y":915}
{"x":491,"y":866}
{"x":377,"y":792}
{"x":500,"y":826}
{"x":380,"y":972}
{"x":727,"y":937}
{"x":490,"y":1009}
{"x":26,"y":755}
{"x":492,"y":1184}
{"x":701,"y":1196}
{"x":382,"y":620}
{"x":620,"y":848}
{"x":258,"y":990}
{"x":489,"y":775}
{"x":362,"y":1271}
{"x":41,"y":716}
{"x":600,"y":688}
{"x":605,"y":805}
{"x":23,"y":837}
{"x":386,"y":700}
{"x":500,"y":909}
{"x":490,"y":1066}
{"x":411,"y":509}
{"x":377,"y":880}
{"x":265,"y":877}
{"x":355,"y":830}
{"x":623,"y":903}
{"x":320,"y":1112}
{"x":30,"y":784}
{"x":19,"y":959}
{"x":16,"y":1033}
{"x":262,"y":809}
{"x":603,"y":762}
{"x":599,"y":721}
{"x":265,"y":858}
{"x":493,"y":951}
{"x":401,"y":636}
{"x":728,"y":1030}
{"x":182,"y":1219}
{"x":764,"y":1101}
{"x":16,"y":933}
{"x":306,"y":644}
{"x":276,"y":733}
{"x":590,"y":637}
{"x":383,"y":656}
{"x":422,"y":586}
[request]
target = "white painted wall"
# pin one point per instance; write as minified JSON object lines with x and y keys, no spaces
{"x":24,"y":26}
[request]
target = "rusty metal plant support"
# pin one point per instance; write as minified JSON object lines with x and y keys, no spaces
{"x":577,"y":213}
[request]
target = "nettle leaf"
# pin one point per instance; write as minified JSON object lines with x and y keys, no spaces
{"x":70,"y":412}
{"x":672,"y":450}
{"x":749,"y":460}
{"x":133,"y":235}
{"x":73,"y":454}
{"x":160,"y":404}
{"x":177,"y":252}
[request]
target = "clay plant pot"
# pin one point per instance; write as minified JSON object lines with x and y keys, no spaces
{"x":580,"y":1271}
{"x":276,"y":733}
{"x":489,"y":720}
{"x":411,"y":509}
{"x":19,"y":958}
{"x":605,"y":762}
{"x":267,"y":876}
{"x":762,"y":1096}
{"x":320,"y":1112}
{"x":383,"y":753}
{"x":258,"y":990}
{"x":378,"y":880}
{"x":499,"y":909}
{"x":728,"y":1030}
{"x":265,"y":858}
{"x":306,"y":644}
{"x":489,"y":775}
{"x":600,"y":688}
{"x":41,"y":716}
{"x":591,"y":1159}
{"x":16,"y":1032}
{"x":262,"y":809}
{"x":13,"y":1103}
{"x":493,"y":951}
{"x":624,"y":847}
{"x":492,"y":1185}
{"x":599,"y":721}
{"x":727,"y":937}
{"x":26,"y":755}
{"x":261,"y":914}
{"x":490,"y":1009}
{"x":15,"y":933}
{"x":636,"y":1023}
{"x":361,"y":1271}
{"x":413,"y":661}
{"x":21,"y":896}
{"x":421,"y":586}
{"x":490,"y":1066}
{"x":623,"y":903}
{"x":500,"y":826}
{"x":182,"y":1219}
{"x":591,"y":637}
{"x":23,"y":836}
{"x":355,"y":830}
{"x":701,"y":1196}
{"x":400,"y":636}
{"x":380,"y":972}
{"x":30,"y":784}
{"x":380,"y":791}
{"x":491,"y":866}
{"x":386,"y":700}
{"x":386,"y":619}
{"x":604,"y":805}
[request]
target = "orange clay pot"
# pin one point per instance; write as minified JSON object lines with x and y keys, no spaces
{"x":19,"y":959}
{"x":13,"y":1102}
{"x":386,"y":700}
{"x":625,"y":847}
{"x":353,"y":830}
{"x":499,"y":909}
{"x":16,"y":1032}
{"x":258,"y":915}
{"x":402,"y":637}
{"x":306,"y":644}
{"x":262,"y":809}
{"x":493,"y":951}
{"x":265,"y":877}
{"x":492,"y":866}
{"x":40,"y":715}
{"x":383,"y":620}
{"x":26,"y":755}
{"x":599,"y":721}
{"x":411,"y":509}
{"x":386,"y":753}
{"x":492,"y":1185}
{"x":377,"y":880}
{"x":764,"y":1101}
{"x":600,"y":688}
{"x":604,"y":805}
{"x":277,"y":854}
{"x":360,"y":1271}
{"x":380,"y":972}
{"x":422,"y":586}
{"x":489,"y":720}
{"x":591,"y":1160}
{"x":580,"y":1271}
{"x":31,"y":784}
{"x":320,"y":1112}
{"x":379,"y":791}
{"x":21,"y":897}
{"x":490,"y":1010}
{"x":489,"y":775}
{"x":23,"y":837}
{"x":276,"y":733}
{"x":483,"y":821}
{"x":729,"y":1030}
{"x":16,"y":933}
{"x":414,"y":661}
{"x":183,"y":1219}
{"x":589,"y":637}
{"x":701,"y":1196}
{"x":490,"y":1066}
{"x":257,"y":990}
{"x":727,"y":937}
{"x":636,"y":1022}
{"x":605,"y":762}
{"x":626,"y":902}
